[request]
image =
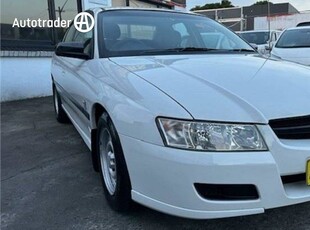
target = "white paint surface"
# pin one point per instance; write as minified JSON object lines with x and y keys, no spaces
{"x":280,"y":22}
{"x":24,"y":77}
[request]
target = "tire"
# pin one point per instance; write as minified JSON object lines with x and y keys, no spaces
{"x":60,"y":114}
{"x":113,"y":168}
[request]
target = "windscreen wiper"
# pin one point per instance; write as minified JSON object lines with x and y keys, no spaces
{"x":188,"y":49}
{"x":177,"y":50}
{"x":242,"y":50}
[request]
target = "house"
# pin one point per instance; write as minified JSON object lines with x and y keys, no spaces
{"x":242,"y":18}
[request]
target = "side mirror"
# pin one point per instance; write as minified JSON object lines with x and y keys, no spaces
{"x":269,"y":47}
{"x":72,"y":49}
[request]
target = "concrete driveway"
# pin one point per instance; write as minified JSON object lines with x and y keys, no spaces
{"x":47,"y":182}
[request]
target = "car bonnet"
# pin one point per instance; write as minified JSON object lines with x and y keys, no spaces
{"x":227,"y":87}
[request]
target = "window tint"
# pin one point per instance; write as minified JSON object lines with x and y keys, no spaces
{"x":142,"y":31}
{"x":214,"y":38}
{"x":185,"y":38}
{"x":136,"y":31}
{"x":133,"y":32}
{"x":69,"y":34}
{"x":72,"y":35}
{"x":82,"y":37}
{"x":181,"y":28}
{"x":294,"y":39}
{"x":258,"y":38}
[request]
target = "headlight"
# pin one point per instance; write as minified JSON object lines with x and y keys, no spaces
{"x":210,"y":136}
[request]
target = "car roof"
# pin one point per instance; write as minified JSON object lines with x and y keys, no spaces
{"x":299,"y":28}
{"x":98,"y":9}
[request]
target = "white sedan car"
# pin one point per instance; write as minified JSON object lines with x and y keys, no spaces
{"x":294,"y":45}
{"x":179,"y":125}
{"x":263,"y":40}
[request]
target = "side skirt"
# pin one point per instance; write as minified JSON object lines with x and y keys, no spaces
{"x":85,"y":137}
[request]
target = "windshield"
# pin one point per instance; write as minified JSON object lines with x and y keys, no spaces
{"x":294,"y":39}
{"x":144,"y":32}
{"x":258,"y":38}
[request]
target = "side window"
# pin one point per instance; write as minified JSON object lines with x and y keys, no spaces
{"x":82,"y":37}
{"x":69,"y":34}
{"x":87,"y":39}
{"x":72,"y":35}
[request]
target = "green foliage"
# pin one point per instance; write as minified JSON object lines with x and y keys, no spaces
{"x":222,"y":4}
{"x":263,"y":2}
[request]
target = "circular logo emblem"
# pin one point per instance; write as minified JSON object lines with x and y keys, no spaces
{"x":84,"y":22}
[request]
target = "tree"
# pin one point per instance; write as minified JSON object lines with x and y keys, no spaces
{"x":222,"y":4}
{"x":263,"y":2}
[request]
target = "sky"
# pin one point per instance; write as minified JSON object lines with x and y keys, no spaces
{"x":300,"y":5}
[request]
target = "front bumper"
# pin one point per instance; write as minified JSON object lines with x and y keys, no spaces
{"x":163,"y":178}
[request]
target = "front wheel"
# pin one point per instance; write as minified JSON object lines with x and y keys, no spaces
{"x":113,"y":169}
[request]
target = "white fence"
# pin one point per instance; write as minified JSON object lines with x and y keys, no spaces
{"x":25,"y":77}
{"x":280,"y":22}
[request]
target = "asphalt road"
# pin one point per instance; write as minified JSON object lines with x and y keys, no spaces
{"x":47,"y":182}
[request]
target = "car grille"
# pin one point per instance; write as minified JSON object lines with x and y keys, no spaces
{"x":292,"y":128}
